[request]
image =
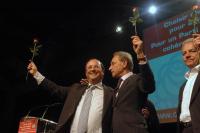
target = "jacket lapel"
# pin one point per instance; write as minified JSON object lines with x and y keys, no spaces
{"x":107,"y":99}
{"x":181,"y":91}
{"x":77,"y":97}
{"x":122,"y":90}
{"x":195,"y":88}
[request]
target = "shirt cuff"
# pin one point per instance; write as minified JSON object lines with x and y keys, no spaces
{"x":39,"y":77}
{"x":142,"y":61}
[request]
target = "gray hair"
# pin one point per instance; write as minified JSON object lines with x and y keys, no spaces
{"x":189,"y":40}
{"x":125,"y":56}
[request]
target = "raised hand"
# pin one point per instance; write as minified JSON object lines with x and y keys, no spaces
{"x":32,"y":68}
{"x":137,"y":44}
{"x":196,"y":40}
{"x":145,"y":113}
{"x":84,"y":82}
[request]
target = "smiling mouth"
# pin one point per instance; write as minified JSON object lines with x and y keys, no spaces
{"x":189,"y":60}
{"x":93,"y":74}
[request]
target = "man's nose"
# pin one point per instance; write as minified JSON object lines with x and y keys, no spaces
{"x":92,"y":68}
{"x":187,"y":55}
{"x":109,"y":68}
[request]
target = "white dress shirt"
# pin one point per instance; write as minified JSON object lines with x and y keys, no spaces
{"x":187,"y":92}
{"x":96,"y":108}
{"x":95,"y":113}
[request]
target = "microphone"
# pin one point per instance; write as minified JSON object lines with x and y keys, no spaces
{"x":45,"y":125}
{"x":35,"y":108}
{"x":51,"y":105}
{"x":42,"y":118}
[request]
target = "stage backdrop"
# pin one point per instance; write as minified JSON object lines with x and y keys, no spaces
{"x":162,"y":46}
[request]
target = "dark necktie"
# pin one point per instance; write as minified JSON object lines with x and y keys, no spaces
{"x":118,"y":85}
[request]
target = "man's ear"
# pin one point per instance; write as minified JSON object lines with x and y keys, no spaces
{"x":125,"y":63}
{"x":103,"y":73}
{"x":199,"y":56}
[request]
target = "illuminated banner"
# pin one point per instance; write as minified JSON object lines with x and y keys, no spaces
{"x":162,"y":47}
{"x":166,"y":37}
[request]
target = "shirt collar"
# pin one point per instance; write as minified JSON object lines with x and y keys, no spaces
{"x":126,"y":76}
{"x":98,"y":85}
{"x":192,"y":71}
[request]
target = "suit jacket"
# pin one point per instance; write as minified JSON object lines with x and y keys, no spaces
{"x":194,"y":106}
{"x":127,"y":117}
{"x":152,"y":120}
{"x":72,"y":96}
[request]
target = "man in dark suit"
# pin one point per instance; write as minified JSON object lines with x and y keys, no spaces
{"x":150,"y":114}
{"x":188,"y":117}
{"x":132,"y":92}
{"x":71,"y":120}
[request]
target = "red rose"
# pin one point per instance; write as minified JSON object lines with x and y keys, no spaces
{"x":135,"y":9}
{"x":35,"y":40}
{"x":195,"y":7}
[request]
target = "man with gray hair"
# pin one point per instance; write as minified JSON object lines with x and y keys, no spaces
{"x":131,"y":91}
{"x":189,"y":95}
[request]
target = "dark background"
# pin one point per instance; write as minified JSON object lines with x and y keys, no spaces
{"x":70,"y":33}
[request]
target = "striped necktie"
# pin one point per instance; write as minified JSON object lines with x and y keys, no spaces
{"x":83,"y":119}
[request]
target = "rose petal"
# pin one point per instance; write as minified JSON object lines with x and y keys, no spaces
{"x":134,"y":9}
{"x":35,"y":40}
{"x":195,"y":7}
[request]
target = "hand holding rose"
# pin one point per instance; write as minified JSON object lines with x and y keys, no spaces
{"x":197,"y":40}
